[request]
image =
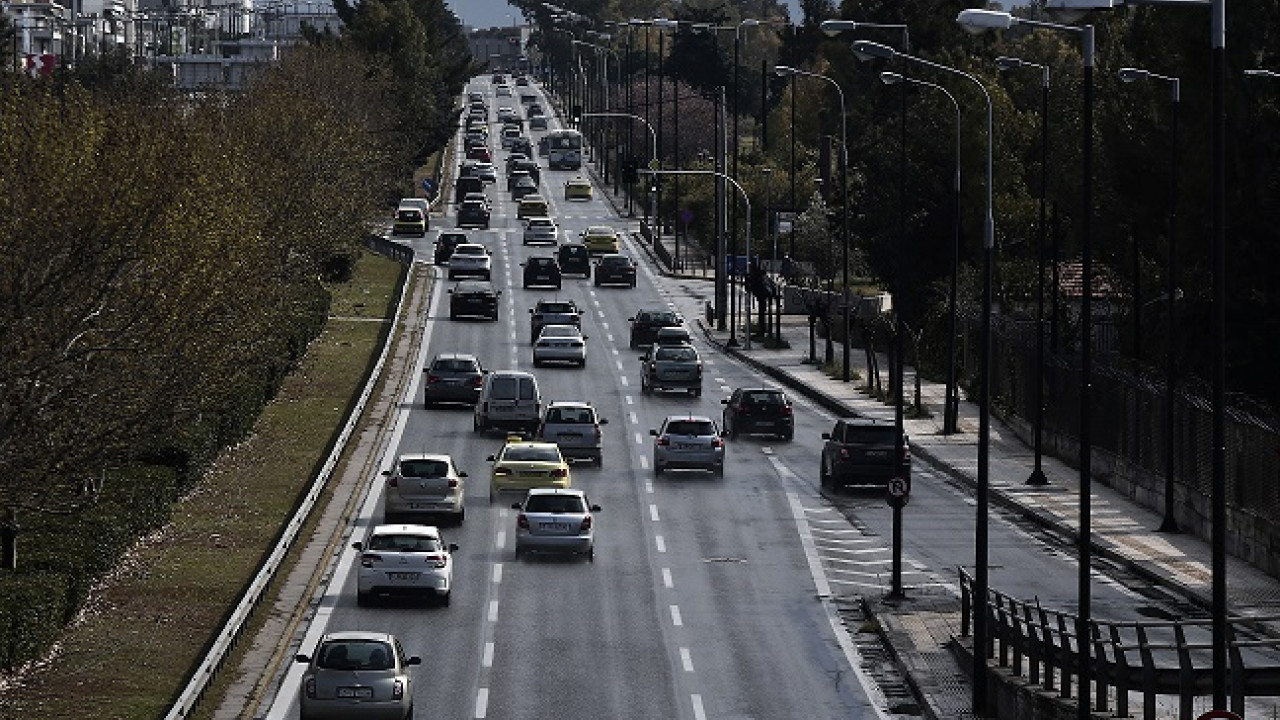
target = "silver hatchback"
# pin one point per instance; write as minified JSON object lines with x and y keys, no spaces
{"x":556,"y":520}
{"x":575,"y":427}
{"x":357,"y":674}
{"x":689,"y":442}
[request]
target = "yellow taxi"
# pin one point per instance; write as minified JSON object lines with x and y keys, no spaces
{"x":578,"y":188}
{"x":524,"y":464}
{"x":600,"y":239}
{"x":532,"y":206}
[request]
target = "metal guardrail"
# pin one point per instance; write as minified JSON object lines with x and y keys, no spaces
{"x":1152,"y":658}
{"x":229,"y":635}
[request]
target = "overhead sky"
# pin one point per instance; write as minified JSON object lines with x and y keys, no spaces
{"x":490,"y":13}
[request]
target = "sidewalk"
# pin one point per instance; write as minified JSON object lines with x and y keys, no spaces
{"x":921,"y":630}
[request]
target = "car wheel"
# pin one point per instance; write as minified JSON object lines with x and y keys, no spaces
{"x":462,"y":517}
{"x":657,"y":467}
{"x":598,"y":460}
{"x":583,"y":364}
{"x":789,"y":435}
{"x":633,"y":284}
{"x":718,"y":470}
{"x":597,"y":282}
{"x":558,"y":285}
{"x":731,"y":428}
{"x":591,"y":554}
{"x":409,"y":715}
{"x":644,"y":387}
{"x":537,"y":363}
{"x":494,"y":317}
{"x":518,"y":551}
{"x":446,"y":597}
{"x":824,"y":477}
{"x":363,"y":600}
{"x":476,"y":424}
{"x":697,"y":392}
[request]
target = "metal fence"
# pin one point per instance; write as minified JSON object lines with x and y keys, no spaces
{"x":1141,"y":659}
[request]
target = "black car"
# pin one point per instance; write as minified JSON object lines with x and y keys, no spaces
{"x":445,"y":243}
{"x":522,"y":145}
{"x":452,"y":377}
{"x":541,"y":271}
{"x":860,"y":451}
{"x":523,"y":185}
{"x":615,"y":269}
{"x":515,"y":176}
{"x":574,"y":259}
{"x":646,"y":323}
{"x":467,"y":184}
{"x":758,"y":410}
{"x":474,"y":298}
{"x":473,"y":213}
{"x":528,"y":165}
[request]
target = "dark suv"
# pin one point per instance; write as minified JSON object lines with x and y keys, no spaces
{"x":541,"y":271}
{"x":645,"y":325}
{"x":758,"y":410}
{"x":860,"y":451}
{"x":474,"y":298}
{"x":445,"y":243}
{"x":615,"y":270}
{"x":552,"y":312}
{"x":574,"y":259}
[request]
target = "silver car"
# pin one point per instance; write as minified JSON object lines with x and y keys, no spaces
{"x":541,"y":230}
{"x":405,"y":561}
{"x":424,"y":485}
{"x":470,"y":259}
{"x":560,"y":344}
{"x":357,"y":674}
{"x":689,"y":442}
{"x":556,"y":520}
{"x":671,"y":367}
{"x":575,"y":427}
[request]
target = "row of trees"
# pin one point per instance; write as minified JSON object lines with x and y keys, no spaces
{"x":165,"y":257}
{"x":1133,"y":150}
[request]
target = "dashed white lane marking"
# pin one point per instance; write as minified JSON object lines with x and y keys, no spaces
{"x":660,"y":543}
{"x":500,"y":541}
{"x":653,"y":512}
{"x":482,"y":703}
{"x":648,"y":485}
{"x":497,"y":573}
{"x":698,"y":712}
{"x":644,"y":464}
{"x":676,"y":620}
{"x":623,"y":378}
{"x":486,"y":658}
{"x":493,"y":611}
{"x":633,"y":418}
{"x":667,"y":581}
{"x":629,"y":400}
{"x":639,"y":439}
{"x":686,"y":659}
{"x":618,"y":363}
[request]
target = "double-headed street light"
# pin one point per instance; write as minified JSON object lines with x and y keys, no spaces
{"x":866,"y":49}
{"x":1128,"y":75}
{"x":1012,"y":63}
{"x":787,"y":70}
{"x":978,"y":21}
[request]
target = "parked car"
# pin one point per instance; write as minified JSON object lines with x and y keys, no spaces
{"x":541,"y":272}
{"x":614,"y":269}
{"x":523,"y":465}
{"x":560,"y":344}
{"x":758,"y":410}
{"x":688,"y":442}
{"x":574,"y":259}
{"x":509,"y":400}
{"x":473,"y":213}
{"x":554,"y":520}
{"x":470,"y":260}
{"x":446,"y":241}
{"x":409,"y":220}
{"x":576,"y":428}
{"x":423,"y":486}
{"x":671,"y":367}
{"x":376,"y":658}
{"x":452,"y":377}
{"x":600,"y":239}
{"x":860,"y":451}
{"x":474,"y":298}
{"x":552,"y":312}
{"x":541,"y":230}
{"x":404,"y":561}
{"x":646,"y":323}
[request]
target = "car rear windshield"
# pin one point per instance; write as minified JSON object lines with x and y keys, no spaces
{"x":690,"y":427}
{"x":763,"y":398}
{"x":355,"y":655}
{"x":404,"y":543}
{"x":424,"y":468}
{"x":512,"y":387}
{"x":556,"y":307}
{"x":656,"y":317}
{"x":408,"y":215}
{"x":570,"y":416}
{"x":554,"y":504}
{"x":677,"y":354}
{"x":454,"y":365}
{"x":868,"y":434}
{"x":532,"y":453}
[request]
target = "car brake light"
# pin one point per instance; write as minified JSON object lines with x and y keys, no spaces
{"x":740,"y":408}
{"x":586,"y":523}
{"x":663,"y":440}
{"x":559,"y":473}
{"x":369,"y":560}
{"x":522,"y":522}
{"x":433,"y":378}
{"x":477,"y":382}
{"x":393,"y":481}
{"x":501,"y":472}
{"x":311,"y":687}
{"x":437,"y":561}
{"x":453,"y":482}
{"x":597,"y":430}
{"x":844,"y":453}
{"x":397,"y":690}
{"x":717,"y":442}
{"x":786,"y":409}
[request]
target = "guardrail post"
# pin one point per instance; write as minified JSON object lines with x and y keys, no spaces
{"x":966,"y":604}
{"x":1063,"y":654}
{"x":1186,"y":675}
{"x":1148,"y":673}
{"x":1236,"y":679}
{"x":1035,"y":644}
{"x":1050,"y":649}
{"x":1121,"y":672}
{"x":1105,"y":669}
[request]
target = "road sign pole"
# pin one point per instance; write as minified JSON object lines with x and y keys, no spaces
{"x":899,"y":493}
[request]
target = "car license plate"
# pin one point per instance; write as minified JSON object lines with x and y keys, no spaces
{"x":453,"y":381}
{"x":406,"y":576}
{"x":503,"y":408}
{"x":355,"y":692}
{"x":553,"y":525}
{"x":877,"y":453}
{"x":571,"y":436}
{"x":687,"y":446}
{"x":422,"y":506}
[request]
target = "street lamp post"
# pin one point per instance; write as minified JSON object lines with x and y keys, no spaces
{"x":979,"y":20}
{"x":1010,"y":63}
{"x":867,"y":49}
{"x":1170,"y":522}
{"x":952,"y":399}
{"x":653,"y":137}
{"x":785,"y":70}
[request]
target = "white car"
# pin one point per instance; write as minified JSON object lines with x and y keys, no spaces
{"x":356,"y":674}
{"x":541,"y":230}
{"x":556,"y":520}
{"x":560,"y":344}
{"x":425,"y":484}
{"x":405,"y":560}
{"x":470,"y":259}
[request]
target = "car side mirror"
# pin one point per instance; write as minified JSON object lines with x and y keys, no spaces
{"x":453,"y":547}
{"x":826,"y":436}
{"x":491,"y":458}
{"x":463,"y":473}
{"x":653,"y":432}
{"x":450,"y":292}
{"x":604,"y":421}
{"x":530,"y":311}
{"x":595,"y":508}
{"x":413,"y":660}
{"x":725,"y":401}
{"x":388,"y":472}
{"x":515,"y":506}
{"x":302,"y":658}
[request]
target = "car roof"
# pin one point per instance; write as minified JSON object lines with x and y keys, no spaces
{"x":473,"y":286}
{"x":681,"y":418}
{"x":533,"y":199}
{"x":357,"y":635}
{"x":469,"y":245}
{"x":557,"y":491}
{"x":600,"y":230}
{"x":447,"y":356}
{"x":407,"y":529}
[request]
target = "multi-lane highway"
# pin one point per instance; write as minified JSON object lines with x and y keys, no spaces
{"x":709,"y":597}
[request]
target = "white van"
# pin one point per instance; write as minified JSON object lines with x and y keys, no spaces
{"x":509,"y":400}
